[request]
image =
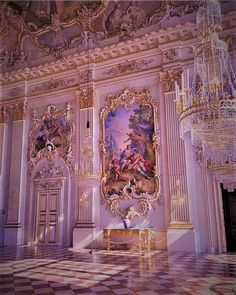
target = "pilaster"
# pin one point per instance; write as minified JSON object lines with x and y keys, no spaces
{"x":87,"y":174}
{"x":17,"y":183}
{"x":180,"y":234}
{"x":213,"y":210}
{"x":3,"y":169}
{"x":88,"y":196}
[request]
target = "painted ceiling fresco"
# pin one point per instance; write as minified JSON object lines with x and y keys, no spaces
{"x":32,"y":30}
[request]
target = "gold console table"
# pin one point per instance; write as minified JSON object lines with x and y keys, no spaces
{"x":145,"y":238}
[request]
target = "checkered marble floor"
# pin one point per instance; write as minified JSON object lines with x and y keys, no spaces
{"x":64,"y":271}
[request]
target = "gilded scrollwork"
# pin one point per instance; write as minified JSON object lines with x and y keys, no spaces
{"x":85,"y":97}
{"x":130,"y":177}
{"x":54,"y":84}
{"x":156,"y":139}
{"x":102,"y":146}
{"x":170,"y":55}
{"x":50,"y":170}
{"x":128,"y":67}
{"x":51,"y":136}
{"x":18,"y":111}
{"x":56,"y":27}
{"x":49,"y":185}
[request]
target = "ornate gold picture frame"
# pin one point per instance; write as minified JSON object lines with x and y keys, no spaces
{"x":52,"y":135}
{"x":129,"y":151}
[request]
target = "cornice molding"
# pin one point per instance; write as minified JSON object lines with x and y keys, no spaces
{"x":98,"y":55}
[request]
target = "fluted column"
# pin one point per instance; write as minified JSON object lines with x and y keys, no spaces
{"x":177,"y":165}
{"x":180,"y":225}
{"x":164,"y":156}
{"x":3,"y":168}
{"x":208,"y":208}
{"x":17,"y":182}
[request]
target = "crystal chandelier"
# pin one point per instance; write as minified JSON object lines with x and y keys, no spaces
{"x":208,"y":108}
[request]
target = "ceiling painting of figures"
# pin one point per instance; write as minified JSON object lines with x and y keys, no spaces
{"x":32,"y":30}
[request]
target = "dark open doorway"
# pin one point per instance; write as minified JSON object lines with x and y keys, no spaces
{"x":229,"y":204}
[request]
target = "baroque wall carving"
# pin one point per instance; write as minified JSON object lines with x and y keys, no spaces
{"x":51,"y":136}
{"x":170,"y":55}
{"x":18,"y":111}
{"x":3,"y":114}
{"x":168,"y":79}
{"x":48,"y":28}
{"x":128,"y":66}
{"x":85,"y":97}
{"x":53,"y":84}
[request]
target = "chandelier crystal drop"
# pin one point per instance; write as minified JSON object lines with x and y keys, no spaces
{"x":208,"y":108}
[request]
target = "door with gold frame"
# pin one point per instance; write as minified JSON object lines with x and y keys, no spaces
{"x":47,"y":217}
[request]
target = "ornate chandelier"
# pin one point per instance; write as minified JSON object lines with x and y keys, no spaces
{"x":208,"y":108}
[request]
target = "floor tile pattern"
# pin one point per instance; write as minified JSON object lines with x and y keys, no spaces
{"x":64,"y":271}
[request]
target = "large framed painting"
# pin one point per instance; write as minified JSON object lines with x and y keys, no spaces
{"x":130,"y":147}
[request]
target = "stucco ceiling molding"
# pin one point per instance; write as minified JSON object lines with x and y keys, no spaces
{"x":158,"y":39}
{"x":97,"y":55}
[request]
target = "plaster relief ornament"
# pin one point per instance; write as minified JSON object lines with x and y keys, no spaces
{"x":50,"y":170}
{"x":55,"y":28}
{"x":51,"y":136}
{"x":128,"y":67}
{"x":129,"y":148}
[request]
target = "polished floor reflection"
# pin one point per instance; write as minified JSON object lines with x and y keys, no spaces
{"x":56,"y":270}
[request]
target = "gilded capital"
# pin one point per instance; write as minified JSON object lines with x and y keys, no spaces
{"x":3,"y":114}
{"x":85,"y":97}
{"x":18,"y":111}
{"x":169,"y":77}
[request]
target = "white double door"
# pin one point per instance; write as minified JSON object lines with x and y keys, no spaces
{"x":47,"y":226}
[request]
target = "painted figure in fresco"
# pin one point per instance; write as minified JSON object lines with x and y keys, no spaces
{"x":116,"y":170}
{"x":130,"y":166}
{"x":52,"y":128}
{"x":125,"y":157}
{"x":116,"y":17}
{"x":53,"y":124}
{"x":50,"y":146}
{"x":136,"y":14}
{"x":138,"y":164}
{"x":136,"y":141}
